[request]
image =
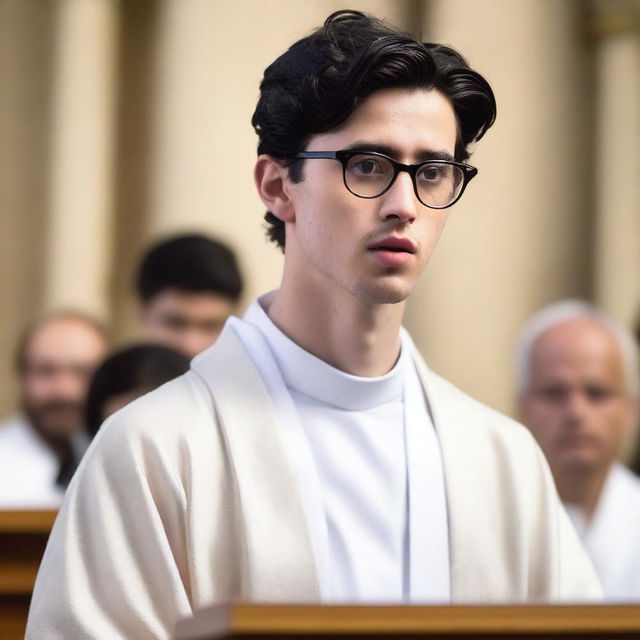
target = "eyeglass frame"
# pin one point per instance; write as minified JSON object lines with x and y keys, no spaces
{"x":344,"y":155}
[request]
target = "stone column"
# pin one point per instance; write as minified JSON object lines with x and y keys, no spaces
{"x":616,"y":27}
{"x":77,"y":253}
{"x":25,"y":49}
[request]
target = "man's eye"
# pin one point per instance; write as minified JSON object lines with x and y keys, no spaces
{"x":598,"y":394}
{"x":367,"y":167}
{"x":176,"y":323}
{"x":553,"y":393}
{"x":432,"y":173}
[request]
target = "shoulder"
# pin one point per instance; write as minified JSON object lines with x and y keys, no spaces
{"x":18,"y":437}
{"x":627,"y":484}
{"x":473,"y":417}
{"x":12,"y":427}
{"x":158,"y":436}
{"x":457,"y":412}
{"x":176,"y":407}
{"x":481,"y":447}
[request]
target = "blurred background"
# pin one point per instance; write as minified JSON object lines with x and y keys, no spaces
{"x":122,"y":122}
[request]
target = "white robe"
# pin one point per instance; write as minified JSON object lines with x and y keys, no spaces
{"x":612,"y":537}
{"x":187,"y":497}
{"x":28,"y":468}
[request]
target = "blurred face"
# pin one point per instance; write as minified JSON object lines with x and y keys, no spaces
{"x":186,"y":321}
{"x":373,"y":249}
{"x":59,"y":361}
{"x":577,"y":405}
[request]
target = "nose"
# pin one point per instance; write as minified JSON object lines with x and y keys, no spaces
{"x":69,"y":385}
{"x":400,"y":201}
{"x":576,"y":408}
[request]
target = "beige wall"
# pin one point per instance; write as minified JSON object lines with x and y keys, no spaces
{"x":25,"y":48}
{"x":123,"y":121}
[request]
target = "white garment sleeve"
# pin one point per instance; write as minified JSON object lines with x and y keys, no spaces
{"x":115,"y":563}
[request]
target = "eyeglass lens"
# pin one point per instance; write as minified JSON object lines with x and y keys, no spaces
{"x":437,"y":184}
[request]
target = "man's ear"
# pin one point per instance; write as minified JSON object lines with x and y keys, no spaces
{"x":272,"y":180}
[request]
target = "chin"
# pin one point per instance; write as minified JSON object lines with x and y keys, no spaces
{"x":383,"y":293}
{"x":582,"y":462}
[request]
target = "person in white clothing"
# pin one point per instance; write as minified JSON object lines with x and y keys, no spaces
{"x":310,"y":455}
{"x":40,"y":447}
{"x":578,"y":376}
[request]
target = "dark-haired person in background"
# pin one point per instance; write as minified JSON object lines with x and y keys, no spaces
{"x":40,"y":446}
{"x":128,"y":374}
{"x":188,"y":286}
{"x":310,"y":454}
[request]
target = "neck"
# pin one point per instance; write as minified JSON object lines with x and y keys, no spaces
{"x":581,"y":488}
{"x":359,"y":338}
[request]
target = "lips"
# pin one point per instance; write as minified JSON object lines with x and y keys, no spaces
{"x":399,"y":245}
{"x":393,"y":252}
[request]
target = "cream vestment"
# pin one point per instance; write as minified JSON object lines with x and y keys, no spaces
{"x":189,"y":496}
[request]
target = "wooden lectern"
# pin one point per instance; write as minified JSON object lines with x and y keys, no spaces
{"x":23,"y":537}
{"x":246,"y":621}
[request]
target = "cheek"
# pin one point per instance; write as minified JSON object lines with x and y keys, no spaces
{"x":317,"y":240}
{"x":160,"y":326}
{"x":325,"y":228}
{"x":37,"y":386}
{"x":79,"y":384}
{"x":543,"y":420}
{"x":157,"y":330}
{"x":614,"y":420}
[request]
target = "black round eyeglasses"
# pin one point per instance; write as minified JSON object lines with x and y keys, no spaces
{"x":368,"y":174}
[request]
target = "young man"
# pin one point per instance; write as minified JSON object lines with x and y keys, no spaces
{"x":41,"y":445}
{"x":579,"y":396}
{"x":187,"y":287}
{"x":310,"y":455}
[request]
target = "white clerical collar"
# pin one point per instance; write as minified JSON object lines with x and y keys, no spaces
{"x":307,"y":374}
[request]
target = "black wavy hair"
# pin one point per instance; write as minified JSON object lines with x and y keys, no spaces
{"x":134,"y":370}
{"x":193,"y":263}
{"x":319,"y":81}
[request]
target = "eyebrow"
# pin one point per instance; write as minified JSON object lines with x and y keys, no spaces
{"x":422,"y":156}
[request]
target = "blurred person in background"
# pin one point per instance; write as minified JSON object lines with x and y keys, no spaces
{"x":578,"y":381}
{"x":187,"y":286}
{"x":128,"y":374}
{"x":40,"y":447}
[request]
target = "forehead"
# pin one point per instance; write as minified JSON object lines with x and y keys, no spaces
{"x":579,"y":347}
{"x":65,"y":340}
{"x":409,"y":121}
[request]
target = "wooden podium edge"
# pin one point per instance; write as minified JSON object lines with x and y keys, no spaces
{"x":27,"y":520}
{"x":254,"y":619}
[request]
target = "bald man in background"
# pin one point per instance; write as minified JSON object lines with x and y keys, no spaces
{"x":41,"y":445}
{"x":578,"y":378}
